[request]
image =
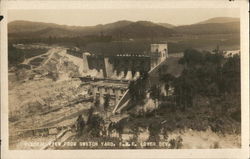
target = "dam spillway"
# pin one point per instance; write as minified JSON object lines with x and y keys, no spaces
{"x":120,"y":67}
{"x":116,"y":67}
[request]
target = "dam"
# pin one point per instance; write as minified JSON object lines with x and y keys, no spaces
{"x":110,"y":75}
{"x":127,"y":66}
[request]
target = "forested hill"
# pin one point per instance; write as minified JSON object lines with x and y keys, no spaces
{"x":220,"y":20}
{"x":210,"y":28}
{"x":122,"y":29}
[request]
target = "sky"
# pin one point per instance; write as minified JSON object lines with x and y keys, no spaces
{"x":90,"y":17}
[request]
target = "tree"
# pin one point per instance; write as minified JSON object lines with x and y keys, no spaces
{"x":80,"y":124}
{"x":168,"y":81}
{"x":106,"y":103}
{"x":15,"y":56}
{"x":135,"y":132}
{"x":137,"y":89}
{"x":110,"y":127}
{"x":191,"y":58}
{"x":95,"y":125}
{"x":133,"y":91}
{"x":119,"y":127}
{"x":154,"y":94}
{"x":202,"y":75}
{"x":231,"y":75}
{"x":186,"y":87}
{"x":90,"y":114}
{"x":154,"y":131}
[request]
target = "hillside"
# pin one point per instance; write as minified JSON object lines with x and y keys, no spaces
{"x":220,"y":20}
{"x":141,"y":29}
{"x":209,"y":28}
{"x":122,"y":29}
{"x":28,"y":26}
{"x":127,"y":29}
{"x":167,"y":25}
{"x":217,"y":25}
{"x":135,"y":36}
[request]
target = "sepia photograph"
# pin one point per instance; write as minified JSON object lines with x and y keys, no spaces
{"x":105,"y":79}
{"x":148,"y":79}
{"x":124,"y":79}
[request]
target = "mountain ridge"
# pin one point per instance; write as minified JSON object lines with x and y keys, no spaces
{"x":127,"y":28}
{"x":219,"y":20}
{"x":209,"y":28}
{"x":122,"y":29}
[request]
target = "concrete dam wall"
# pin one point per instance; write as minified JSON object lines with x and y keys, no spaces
{"x":127,"y":67}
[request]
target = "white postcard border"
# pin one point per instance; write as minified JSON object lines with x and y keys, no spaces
{"x":183,"y":153}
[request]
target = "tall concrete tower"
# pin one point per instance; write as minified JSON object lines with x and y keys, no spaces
{"x":160,"y":50}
